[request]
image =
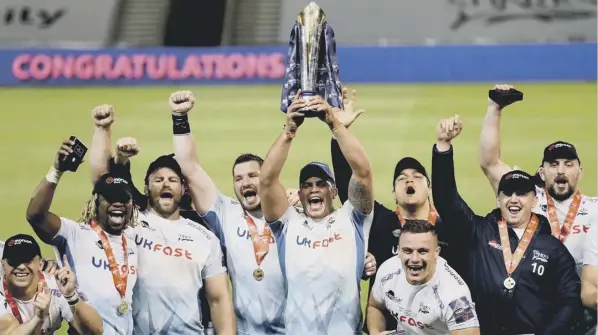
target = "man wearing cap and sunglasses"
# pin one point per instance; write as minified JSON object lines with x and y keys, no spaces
{"x":522,"y":279}
{"x":169,"y":244}
{"x":32,"y":302}
{"x":411,"y":192}
{"x":321,"y":249}
{"x":99,"y":247}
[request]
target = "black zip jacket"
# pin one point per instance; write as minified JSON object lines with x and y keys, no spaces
{"x":546,"y":299}
{"x":383,"y":240}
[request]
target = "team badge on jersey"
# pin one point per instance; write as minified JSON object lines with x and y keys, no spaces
{"x":462,"y":310}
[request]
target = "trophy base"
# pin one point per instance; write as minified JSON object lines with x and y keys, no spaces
{"x":307,"y":96}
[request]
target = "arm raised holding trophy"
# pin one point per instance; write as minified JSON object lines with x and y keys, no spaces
{"x":321,"y":248}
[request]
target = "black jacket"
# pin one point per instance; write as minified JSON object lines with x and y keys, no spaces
{"x":546,"y":298}
{"x":383,"y":239}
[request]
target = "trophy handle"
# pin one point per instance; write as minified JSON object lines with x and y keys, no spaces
{"x":307,"y":96}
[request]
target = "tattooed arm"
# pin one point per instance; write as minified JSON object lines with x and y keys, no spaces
{"x":360,"y":190}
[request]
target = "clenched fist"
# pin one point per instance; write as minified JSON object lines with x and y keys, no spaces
{"x":448,"y":129}
{"x":127,"y":147}
{"x":103,"y":116}
{"x":181,"y":102}
{"x":502,"y":87}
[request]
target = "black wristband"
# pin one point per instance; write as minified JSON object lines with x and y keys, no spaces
{"x":180,"y":125}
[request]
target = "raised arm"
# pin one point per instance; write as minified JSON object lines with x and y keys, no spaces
{"x":360,"y":192}
{"x":99,"y":153}
{"x":489,"y":145}
{"x":45,"y":223}
{"x":203,"y":190}
{"x":451,"y":207}
{"x":342,"y":169}
{"x":272,"y":193}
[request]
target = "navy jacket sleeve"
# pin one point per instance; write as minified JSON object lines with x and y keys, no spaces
{"x":451,"y":207}
{"x":342,"y":171}
{"x":567,"y":295}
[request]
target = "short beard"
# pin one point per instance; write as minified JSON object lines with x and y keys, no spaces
{"x":560,"y":197}
{"x":158,"y":210}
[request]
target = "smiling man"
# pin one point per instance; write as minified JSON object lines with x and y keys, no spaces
{"x":420,"y":290}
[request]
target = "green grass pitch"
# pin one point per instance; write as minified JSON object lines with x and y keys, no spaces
{"x":399,"y":121}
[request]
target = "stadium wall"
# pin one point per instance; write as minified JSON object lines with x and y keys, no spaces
{"x":266,"y":65}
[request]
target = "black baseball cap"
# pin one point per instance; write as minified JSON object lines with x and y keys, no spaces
{"x":316,"y":169}
{"x":113,"y":188}
{"x":560,"y":150}
{"x":164,"y":161}
{"x":516,"y":181}
{"x":19,"y":249}
{"x":409,"y":163}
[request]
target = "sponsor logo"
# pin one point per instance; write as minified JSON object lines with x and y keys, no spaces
{"x":103,"y":264}
{"x":391,"y":295}
{"x":389,"y":276}
{"x":243,"y":233}
{"x":540,"y":256}
{"x":163,"y":249}
{"x":318,"y":243}
{"x":183,"y":238}
{"x":495,"y":245}
{"x":407,"y":320}
{"x":453,"y":274}
{"x":578,"y":229}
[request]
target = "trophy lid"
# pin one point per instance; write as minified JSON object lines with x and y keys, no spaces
{"x":311,"y":12}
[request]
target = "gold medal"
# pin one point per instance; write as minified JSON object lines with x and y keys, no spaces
{"x":123,"y":307}
{"x":258,"y":274}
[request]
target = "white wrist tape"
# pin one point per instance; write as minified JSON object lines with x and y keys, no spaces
{"x":53,"y":175}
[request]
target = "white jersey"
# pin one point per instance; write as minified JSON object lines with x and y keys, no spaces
{"x":587,"y":215}
{"x":259,"y":305}
{"x":323,"y":263}
{"x":174,"y":259}
{"x":59,"y":308}
{"x":590,"y":252}
{"x":86,"y":257}
{"x":437,"y":307}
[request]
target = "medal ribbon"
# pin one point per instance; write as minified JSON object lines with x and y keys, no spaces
{"x":432,"y":216}
{"x":555,"y":225}
{"x":12,"y":302}
{"x":119,"y":278}
{"x":261,"y":242}
{"x":512,"y":259}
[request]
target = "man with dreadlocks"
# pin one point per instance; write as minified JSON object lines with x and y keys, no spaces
{"x":169,"y":244}
{"x":100,"y":247}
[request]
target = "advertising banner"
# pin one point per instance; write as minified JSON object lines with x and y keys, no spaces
{"x":451,"y":21}
{"x":266,"y":65}
{"x":29,"y":22}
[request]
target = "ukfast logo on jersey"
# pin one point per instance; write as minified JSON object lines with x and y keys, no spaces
{"x":314,"y":244}
{"x":243,"y":233}
{"x":410,"y":321}
{"x":103,"y":264}
{"x":163,"y":249}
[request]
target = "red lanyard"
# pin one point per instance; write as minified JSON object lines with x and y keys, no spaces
{"x":119,"y":278}
{"x":555,"y":226}
{"x":261,"y":242}
{"x":512,"y":259}
{"x":12,"y":302}
{"x":432,"y":216}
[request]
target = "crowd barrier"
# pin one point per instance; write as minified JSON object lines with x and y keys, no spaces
{"x":266,"y":65}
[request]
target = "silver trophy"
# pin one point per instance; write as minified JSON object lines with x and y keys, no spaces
{"x":311,"y":21}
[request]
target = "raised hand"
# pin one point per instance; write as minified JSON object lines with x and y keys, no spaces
{"x":293,"y":196}
{"x":103,"y":116}
{"x":181,"y":102}
{"x":65,"y":279}
{"x":42,"y":301}
{"x":448,"y":129}
{"x":127,"y":147}
{"x":65,"y":149}
{"x":295,"y":118}
{"x":350,"y":113}
{"x":503,"y":87}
